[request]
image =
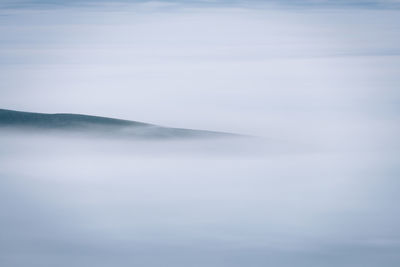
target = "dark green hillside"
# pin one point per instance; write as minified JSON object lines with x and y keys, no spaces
{"x":77,"y":123}
{"x":42,"y":120}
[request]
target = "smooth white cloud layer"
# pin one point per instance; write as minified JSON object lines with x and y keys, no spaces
{"x":320,"y":84}
{"x":268,"y":72}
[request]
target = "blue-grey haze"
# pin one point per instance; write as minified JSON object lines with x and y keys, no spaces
{"x":385,"y":4}
{"x":317,"y":81}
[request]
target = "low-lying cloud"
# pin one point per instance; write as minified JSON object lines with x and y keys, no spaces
{"x":318,"y":86}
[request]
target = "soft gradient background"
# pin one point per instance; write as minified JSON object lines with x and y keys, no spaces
{"x":317,"y":80}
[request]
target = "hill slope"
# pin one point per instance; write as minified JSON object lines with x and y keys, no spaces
{"x":94,"y":125}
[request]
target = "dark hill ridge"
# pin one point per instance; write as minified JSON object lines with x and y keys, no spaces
{"x":86,"y":124}
{"x":59,"y":120}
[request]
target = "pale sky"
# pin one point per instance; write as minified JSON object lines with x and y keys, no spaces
{"x":261,"y":68}
{"x":318,"y":79}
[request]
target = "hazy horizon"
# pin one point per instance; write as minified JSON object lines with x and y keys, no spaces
{"x":316,"y":81}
